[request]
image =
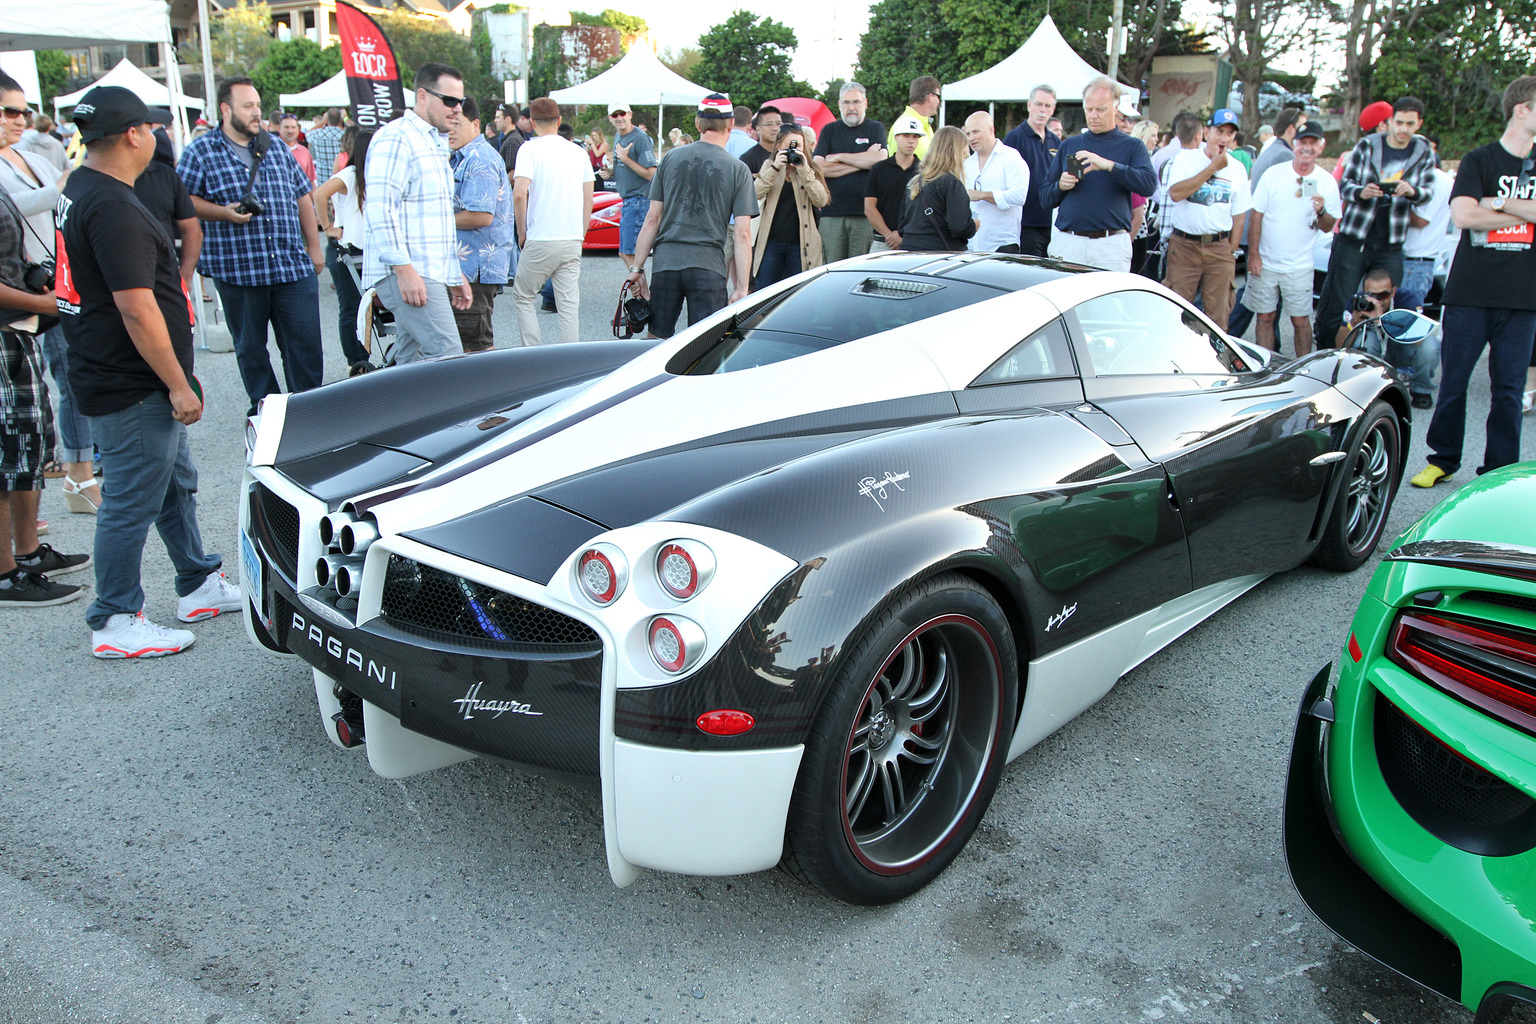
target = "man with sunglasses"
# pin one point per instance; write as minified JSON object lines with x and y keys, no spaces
{"x":1489,"y":301}
{"x":634,"y":165}
{"x":1290,"y":206}
{"x":410,"y":247}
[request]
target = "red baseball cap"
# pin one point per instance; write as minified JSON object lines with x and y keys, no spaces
{"x":1374,"y":114}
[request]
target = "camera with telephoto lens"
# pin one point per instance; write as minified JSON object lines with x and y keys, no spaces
{"x":37,"y":278}
{"x":793,"y":156}
{"x":1362,"y":303}
{"x":251,"y":205}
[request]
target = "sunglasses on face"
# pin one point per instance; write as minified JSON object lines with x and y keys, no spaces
{"x":619,"y":113}
{"x":12,"y":111}
{"x":448,"y":101}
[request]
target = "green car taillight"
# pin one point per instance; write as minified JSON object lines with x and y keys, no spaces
{"x":1491,"y":667}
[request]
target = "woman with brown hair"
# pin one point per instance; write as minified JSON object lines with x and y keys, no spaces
{"x":790,"y":188}
{"x":938,"y":218}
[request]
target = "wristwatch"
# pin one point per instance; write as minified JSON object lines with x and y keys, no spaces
{"x":1498,"y":204}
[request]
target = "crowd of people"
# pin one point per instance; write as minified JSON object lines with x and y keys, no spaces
{"x":424,"y":222}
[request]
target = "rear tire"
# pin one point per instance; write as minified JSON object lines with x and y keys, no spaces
{"x":1359,"y":514}
{"x":907,"y":748}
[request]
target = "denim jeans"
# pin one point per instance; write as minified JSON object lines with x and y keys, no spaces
{"x":780,"y":260}
{"x":631,"y":219}
{"x":74,"y":428}
{"x":1508,"y":335}
{"x":1348,"y":262}
{"x":347,"y":299}
{"x":148,"y":477}
{"x":293,"y":310}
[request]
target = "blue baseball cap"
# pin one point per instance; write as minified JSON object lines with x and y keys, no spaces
{"x":1222,"y":115}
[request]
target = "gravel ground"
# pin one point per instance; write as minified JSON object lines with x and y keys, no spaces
{"x":180,"y":843}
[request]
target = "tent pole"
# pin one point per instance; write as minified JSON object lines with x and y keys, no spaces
{"x":992,"y":109}
{"x":661,"y":110}
{"x":181,"y":131}
{"x":210,"y":90}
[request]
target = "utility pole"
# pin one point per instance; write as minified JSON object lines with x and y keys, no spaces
{"x":1116,"y":27}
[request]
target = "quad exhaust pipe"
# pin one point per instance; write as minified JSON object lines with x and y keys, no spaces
{"x":332,"y":572}
{"x":346,"y":533}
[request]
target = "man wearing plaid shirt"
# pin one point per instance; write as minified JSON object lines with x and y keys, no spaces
{"x":325,"y":144}
{"x":410,"y":247}
{"x":263,"y":263}
{"x":1375,"y":220}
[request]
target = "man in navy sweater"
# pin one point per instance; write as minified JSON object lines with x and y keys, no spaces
{"x":1090,"y":183}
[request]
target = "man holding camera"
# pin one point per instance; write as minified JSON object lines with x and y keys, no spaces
{"x":1386,"y":176}
{"x":262,"y":242}
{"x":1489,"y":301}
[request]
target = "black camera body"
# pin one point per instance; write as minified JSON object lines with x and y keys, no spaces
{"x":38,"y":277}
{"x":251,"y":205}
{"x":793,"y":156}
{"x":1362,"y":303}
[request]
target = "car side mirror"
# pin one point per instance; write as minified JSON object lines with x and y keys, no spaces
{"x":1407,"y":327}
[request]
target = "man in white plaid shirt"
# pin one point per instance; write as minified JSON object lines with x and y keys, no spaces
{"x":410,"y":247}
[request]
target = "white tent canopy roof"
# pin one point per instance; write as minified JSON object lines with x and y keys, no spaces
{"x":330,"y":93}
{"x":1044,"y":59}
{"x":66,"y":24}
{"x":135,"y":81}
{"x":640,"y":77}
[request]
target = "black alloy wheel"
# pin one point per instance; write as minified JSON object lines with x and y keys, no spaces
{"x":908,"y":746}
{"x":1372,"y":474}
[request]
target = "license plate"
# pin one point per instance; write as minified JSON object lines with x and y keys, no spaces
{"x":254,"y":578}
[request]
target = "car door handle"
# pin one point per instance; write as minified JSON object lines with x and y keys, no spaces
{"x":1328,"y":457}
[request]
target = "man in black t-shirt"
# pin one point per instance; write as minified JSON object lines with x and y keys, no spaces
{"x":128,"y":323}
{"x":1489,"y":298}
{"x":163,"y":194}
{"x":885,"y":193}
{"x":845,"y":151}
{"x":766,"y":122}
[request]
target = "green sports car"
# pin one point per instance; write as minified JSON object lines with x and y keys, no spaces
{"x":1410,"y":811}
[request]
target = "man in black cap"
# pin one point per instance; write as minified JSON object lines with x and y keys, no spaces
{"x":128,"y":322}
{"x":697,"y":190}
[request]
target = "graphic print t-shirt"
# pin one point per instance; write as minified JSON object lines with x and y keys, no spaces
{"x":1494,"y":269}
{"x":1220,"y":198}
{"x":109,"y":243}
{"x":702,"y":189}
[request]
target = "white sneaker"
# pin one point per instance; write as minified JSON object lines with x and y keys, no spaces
{"x":134,"y":636}
{"x":216,"y":595}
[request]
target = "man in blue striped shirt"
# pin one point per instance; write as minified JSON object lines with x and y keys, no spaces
{"x":262,"y":256}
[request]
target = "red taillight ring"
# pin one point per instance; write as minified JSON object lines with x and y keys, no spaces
{"x":675,"y":643}
{"x":601,"y":566}
{"x":667,"y":557}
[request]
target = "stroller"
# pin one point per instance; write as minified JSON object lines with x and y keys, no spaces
{"x":375,"y":323}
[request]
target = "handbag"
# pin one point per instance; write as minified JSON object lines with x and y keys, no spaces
{"x":11,"y":316}
{"x":632,"y":314}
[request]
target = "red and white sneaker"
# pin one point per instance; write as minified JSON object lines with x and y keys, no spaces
{"x":134,"y":636}
{"x":215,"y":596}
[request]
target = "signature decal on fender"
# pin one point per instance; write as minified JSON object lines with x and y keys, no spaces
{"x":1061,"y":616}
{"x":875,"y":488}
{"x":472,"y":702}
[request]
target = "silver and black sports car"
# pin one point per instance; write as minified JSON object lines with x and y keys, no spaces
{"x":795,"y":584}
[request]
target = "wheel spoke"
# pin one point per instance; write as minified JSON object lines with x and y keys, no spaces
{"x":911,"y":670}
{"x":892,"y":790}
{"x":931,"y":699}
{"x":858,"y":792}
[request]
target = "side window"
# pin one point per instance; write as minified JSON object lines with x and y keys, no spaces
{"x":1139,"y":332}
{"x":1043,"y":355}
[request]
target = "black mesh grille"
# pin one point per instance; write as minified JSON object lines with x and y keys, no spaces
{"x":1451,"y":783}
{"x":433,"y":604}
{"x":278,"y":524}
{"x":1507,"y":600}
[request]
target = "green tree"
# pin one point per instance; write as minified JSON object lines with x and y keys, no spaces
{"x":905,"y":39}
{"x":1458,"y":59}
{"x":684,"y":61}
{"x":627,"y":24}
{"x":52,"y":74}
{"x":240,"y":37}
{"x":748,"y":59}
{"x":293,"y":67}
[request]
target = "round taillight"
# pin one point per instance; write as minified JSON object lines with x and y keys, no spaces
{"x":725,"y":722}
{"x":675,"y":643}
{"x":683,"y":568}
{"x":601,"y":573}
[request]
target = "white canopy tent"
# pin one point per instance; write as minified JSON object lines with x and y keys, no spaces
{"x":69,"y":24}
{"x":640,"y":77}
{"x":330,"y":93}
{"x":135,"y":81}
{"x":1045,"y":58}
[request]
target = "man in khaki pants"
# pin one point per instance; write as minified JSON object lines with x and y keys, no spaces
{"x":1211,"y":200}
{"x":552,"y":202}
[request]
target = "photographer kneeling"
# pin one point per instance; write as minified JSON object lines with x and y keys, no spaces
{"x":1370,"y":303}
{"x":788,"y":241}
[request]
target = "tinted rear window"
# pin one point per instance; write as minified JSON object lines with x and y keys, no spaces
{"x":830,"y":310}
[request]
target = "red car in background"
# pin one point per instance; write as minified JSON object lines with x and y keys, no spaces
{"x":603,"y":228}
